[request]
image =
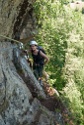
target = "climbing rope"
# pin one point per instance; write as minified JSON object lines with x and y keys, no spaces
{"x":8,"y":48}
{"x":19,"y":42}
{"x":10,"y":38}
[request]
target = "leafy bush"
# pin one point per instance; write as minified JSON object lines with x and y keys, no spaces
{"x":83,"y":10}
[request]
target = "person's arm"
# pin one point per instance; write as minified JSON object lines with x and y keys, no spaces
{"x":45,"y":57}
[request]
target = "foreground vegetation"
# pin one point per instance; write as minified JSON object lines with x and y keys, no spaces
{"x":61,"y":33}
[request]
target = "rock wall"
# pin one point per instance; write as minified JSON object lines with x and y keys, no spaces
{"x":18,"y":106}
{"x":15,"y":17}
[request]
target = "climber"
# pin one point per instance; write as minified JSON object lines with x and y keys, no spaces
{"x":39,"y":60}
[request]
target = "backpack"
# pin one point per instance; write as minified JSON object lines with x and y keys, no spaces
{"x":39,"y":59}
{"x":40,"y":48}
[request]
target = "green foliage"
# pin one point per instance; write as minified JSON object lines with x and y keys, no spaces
{"x":54,"y":34}
{"x":61,"y":33}
{"x":83,"y":10}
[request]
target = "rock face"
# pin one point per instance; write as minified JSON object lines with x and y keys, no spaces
{"x":16,"y":18}
{"x":14,"y":95}
{"x":18,"y":106}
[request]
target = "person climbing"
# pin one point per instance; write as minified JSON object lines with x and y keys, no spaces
{"x":39,"y":60}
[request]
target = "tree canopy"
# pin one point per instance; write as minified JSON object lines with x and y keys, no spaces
{"x":61,"y":32}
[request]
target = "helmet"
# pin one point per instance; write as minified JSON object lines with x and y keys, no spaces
{"x":33,"y":43}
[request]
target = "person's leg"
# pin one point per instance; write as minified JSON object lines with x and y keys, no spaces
{"x":35,"y":70}
{"x":40,"y":74}
{"x":36,"y":73}
{"x":40,"y":71}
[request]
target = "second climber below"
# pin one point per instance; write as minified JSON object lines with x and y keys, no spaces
{"x":39,"y":60}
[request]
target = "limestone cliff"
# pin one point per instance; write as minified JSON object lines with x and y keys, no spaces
{"x":19,"y":105}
